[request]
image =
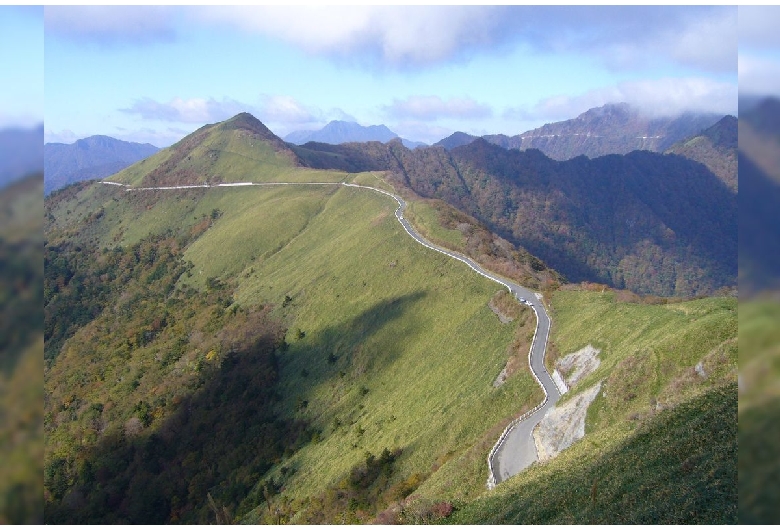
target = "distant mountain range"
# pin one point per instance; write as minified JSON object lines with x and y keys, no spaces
{"x":340,"y":132}
{"x":94,"y":157}
{"x":611,"y":129}
{"x":21,"y":153}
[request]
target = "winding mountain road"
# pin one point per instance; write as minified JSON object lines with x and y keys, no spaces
{"x":515,"y":449}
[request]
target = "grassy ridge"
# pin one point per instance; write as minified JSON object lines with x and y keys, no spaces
{"x":397,"y":347}
{"x":223,"y":153}
{"x":388,"y":344}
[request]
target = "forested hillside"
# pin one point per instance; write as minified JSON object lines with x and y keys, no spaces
{"x":21,"y":351}
{"x":716,"y":148}
{"x":647,"y":222}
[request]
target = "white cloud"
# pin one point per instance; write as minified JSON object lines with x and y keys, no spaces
{"x":703,"y":37}
{"x":395,"y":35}
{"x":656,"y":97}
{"x":159,"y":138}
{"x":758,"y":26}
{"x":285,"y":109}
{"x":281,"y":113}
{"x":759,"y":74}
{"x":421,"y":131}
{"x":434,"y":107}
{"x":193,"y":110}
{"x":634,"y":37}
{"x":709,"y":43}
{"x":65,"y":136}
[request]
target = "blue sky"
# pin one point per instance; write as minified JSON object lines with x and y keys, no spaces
{"x":154,"y":74}
{"x":21,"y":64}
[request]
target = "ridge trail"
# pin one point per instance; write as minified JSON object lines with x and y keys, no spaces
{"x":515,"y":449}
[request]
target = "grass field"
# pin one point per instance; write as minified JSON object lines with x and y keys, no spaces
{"x":660,"y":442}
{"x":678,"y":468}
{"x":391,"y":345}
{"x":648,"y":352}
{"x":759,"y":400}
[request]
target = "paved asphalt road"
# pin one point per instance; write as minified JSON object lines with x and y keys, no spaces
{"x":517,"y":451}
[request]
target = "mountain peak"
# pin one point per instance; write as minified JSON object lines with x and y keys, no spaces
{"x":456,"y":139}
{"x":339,"y":132}
{"x":246,"y":121}
{"x":611,"y":109}
{"x":614,"y":128}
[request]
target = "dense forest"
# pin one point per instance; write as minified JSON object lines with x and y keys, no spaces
{"x":21,"y":351}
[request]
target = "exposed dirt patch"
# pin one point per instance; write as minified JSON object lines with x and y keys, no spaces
{"x":578,"y":365}
{"x":564,"y":425}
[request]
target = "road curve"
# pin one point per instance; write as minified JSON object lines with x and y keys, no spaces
{"x":515,"y":449}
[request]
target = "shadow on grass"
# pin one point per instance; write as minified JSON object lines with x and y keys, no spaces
{"x":337,"y":354}
{"x":219,"y":441}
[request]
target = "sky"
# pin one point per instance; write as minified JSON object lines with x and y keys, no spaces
{"x":21,"y":64}
{"x":154,"y":74}
{"x":759,"y":50}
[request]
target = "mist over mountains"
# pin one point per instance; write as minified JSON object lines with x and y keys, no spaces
{"x":615,"y":128}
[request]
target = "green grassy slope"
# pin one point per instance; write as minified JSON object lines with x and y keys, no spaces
{"x":238,"y":150}
{"x":388,"y":344}
{"x":648,"y":352}
{"x":759,"y":410}
{"x":660,"y":444}
{"x":414,"y":346}
{"x":679,"y":468}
